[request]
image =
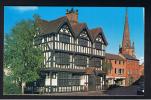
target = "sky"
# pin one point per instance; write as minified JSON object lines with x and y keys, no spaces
{"x":110,"y":19}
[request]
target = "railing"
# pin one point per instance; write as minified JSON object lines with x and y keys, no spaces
{"x":55,"y":89}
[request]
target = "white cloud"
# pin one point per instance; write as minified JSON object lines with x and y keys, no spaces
{"x":25,"y":8}
{"x":141,"y":60}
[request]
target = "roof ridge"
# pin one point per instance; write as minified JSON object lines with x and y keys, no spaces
{"x":60,"y":18}
{"x":112,"y":53}
{"x":78,"y":24}
{"x":113,"y":56}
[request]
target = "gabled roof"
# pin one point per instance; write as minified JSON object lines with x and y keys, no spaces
{"x":77,"y":28}
{"x":55,"y":24}
{"x":95,"y":32}
{"x":42,"y":24}
{"x":113,"y":57}
{"x":129,"y":57}
{"x":52,"y":26}
{"x":47,"y":27}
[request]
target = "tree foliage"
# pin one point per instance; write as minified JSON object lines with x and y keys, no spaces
{"x":107,"y":66}
{"x":20,"y":55}
{"x":9,"y":86}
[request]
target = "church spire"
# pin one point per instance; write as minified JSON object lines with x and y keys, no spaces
{"x":126,"y":48}
{"x":126,"y":35}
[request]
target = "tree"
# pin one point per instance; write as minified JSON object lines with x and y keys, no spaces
{"x":9,"y":86}
{"x":107,"y":66}
{"x":20,"y":53}
{"x":131,"y":80}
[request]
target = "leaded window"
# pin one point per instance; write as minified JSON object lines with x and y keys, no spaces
{"x":80,"y":60}
{"x":64,"y":38}
{"x":98,"y":45}
{"x":95,"y":62}
{"x":83,"y":42}
{"x":68,"y":79}
{"x":62,"y":58}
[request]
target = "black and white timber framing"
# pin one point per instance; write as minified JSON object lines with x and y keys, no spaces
{"x":68,"y":53}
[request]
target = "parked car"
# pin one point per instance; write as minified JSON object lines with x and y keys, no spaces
{"x":140,"y":89}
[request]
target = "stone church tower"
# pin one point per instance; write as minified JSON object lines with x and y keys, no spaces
{"x":127,"y":47}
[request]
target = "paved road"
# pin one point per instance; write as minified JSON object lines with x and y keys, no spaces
{"x":131,"y":90}
{"x":122,"y":91}
{"x":89,"y":93}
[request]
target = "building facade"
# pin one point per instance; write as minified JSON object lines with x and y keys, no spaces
{"x":117,"y":74}
{"x":73,"y":55}
{"x":132,"y":69}
{"x":129,"y":70}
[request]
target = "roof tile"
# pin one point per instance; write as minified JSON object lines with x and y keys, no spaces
{"x":130,"y":57}
{"x":113,"y":56}
{"x":53,"y":26}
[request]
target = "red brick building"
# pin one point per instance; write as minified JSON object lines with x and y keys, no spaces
{"x":130,"y":68}
{"x":141,"y":69}
{"x":117,"y":75}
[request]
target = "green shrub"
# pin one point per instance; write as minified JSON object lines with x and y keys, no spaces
{"x":9,"y":87}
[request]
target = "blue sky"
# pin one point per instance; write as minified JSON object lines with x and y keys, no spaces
{"x":111,"y":19}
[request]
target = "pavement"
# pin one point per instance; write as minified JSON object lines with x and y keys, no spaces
{"x":89,"y":93}
{"x":119,"y":91}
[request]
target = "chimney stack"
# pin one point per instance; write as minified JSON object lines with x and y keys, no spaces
{"x":72,"y":16}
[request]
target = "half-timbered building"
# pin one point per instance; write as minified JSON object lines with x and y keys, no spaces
{"x":73,"y":55}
